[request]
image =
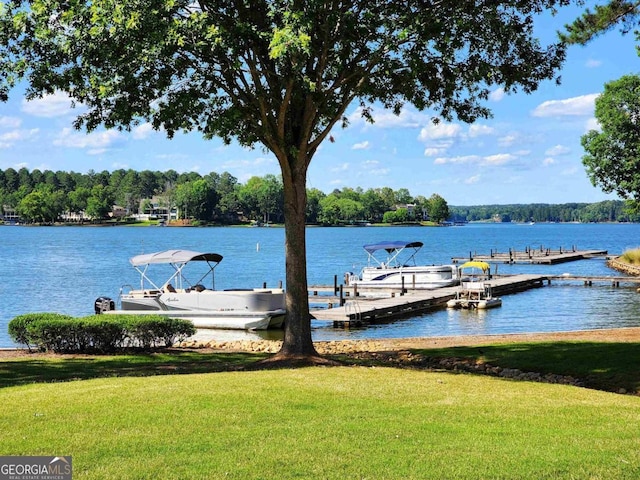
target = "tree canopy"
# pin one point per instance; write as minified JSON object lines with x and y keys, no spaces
{"x":612,"y":156}
{"x":604,"y":18}
{"x":280,"y":73}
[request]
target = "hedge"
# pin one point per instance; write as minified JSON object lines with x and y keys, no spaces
{"x":97,"y":333}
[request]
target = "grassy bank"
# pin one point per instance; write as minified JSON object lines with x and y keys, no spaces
{"x":147,"y":418}
{"x":632,"y":257}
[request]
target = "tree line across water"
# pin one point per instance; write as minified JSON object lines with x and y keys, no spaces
{"x":43,"y":196}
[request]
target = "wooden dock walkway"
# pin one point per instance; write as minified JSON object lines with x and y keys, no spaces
{"x":364,"y":310}
{"x":545,"y":256}
{"x":614,"y":281}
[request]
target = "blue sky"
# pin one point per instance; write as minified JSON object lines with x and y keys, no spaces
{"x":529,"y":152}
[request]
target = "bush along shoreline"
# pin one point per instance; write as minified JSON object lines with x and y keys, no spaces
{"x":52,"y":332}
{"x":627,"y":263}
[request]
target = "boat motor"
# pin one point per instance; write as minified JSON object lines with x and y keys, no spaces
{"x":103,"y":304}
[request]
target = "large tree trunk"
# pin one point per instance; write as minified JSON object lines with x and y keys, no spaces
{"x":297,"y":347}
{"x":297,"y":330}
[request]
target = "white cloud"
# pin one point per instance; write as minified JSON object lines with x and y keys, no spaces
{"x":361,"y":146}
{"x":461,"y":159}
{"x":387,"y":119}
{"x":507,"y":140}
{"x":476,"y":130}
{"x":499,"y":159}
{"x":472,"y":180}
{"x":142,"y":132}
{"x":373,"y":168}
{"x":593,"y":63}
{"x":575,"y":106}
{"x":548,"y":161}
{"x":592,"y":124}
{"x":95,"y":142}
{"x":10,"y":122}
{"x":9,"y":139}
{"x":435,"y":131}
{"x":557,"y":150}
{"x":497,"y":95}
{"x":254,"y":163}
{"x":49,"y":106}
{"x":343,"y":167}
{"x":433,"y":151}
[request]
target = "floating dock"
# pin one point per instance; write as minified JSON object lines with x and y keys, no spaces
{"x":364,"y":310}
{"x":542,"y":255}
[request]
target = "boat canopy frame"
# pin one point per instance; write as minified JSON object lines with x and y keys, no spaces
{"x":393,"y":249}
{"x":178,"y":259}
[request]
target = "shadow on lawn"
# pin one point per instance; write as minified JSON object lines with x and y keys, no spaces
{"x":603,"y":366}
{"x":38,"y":367}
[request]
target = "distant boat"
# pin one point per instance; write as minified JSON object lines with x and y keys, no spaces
{"x":398,"y":270}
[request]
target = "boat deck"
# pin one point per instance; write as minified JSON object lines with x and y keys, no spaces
{"x":364,"y":310}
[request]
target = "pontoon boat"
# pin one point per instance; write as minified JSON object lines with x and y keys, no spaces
{"x":177,"y":297}
{"x":399,"y":269}
{"x":474,"y":291}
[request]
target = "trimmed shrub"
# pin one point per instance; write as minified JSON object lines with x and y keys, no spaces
{"x":98,"y":333}
{"x":155,"y":331}
{"x":18,"y":326}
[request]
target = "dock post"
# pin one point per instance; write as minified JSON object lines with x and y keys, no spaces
{"x":335,"y":284}
{"x":280,"y":284}
{"x":402,"y":286}
{"x":341,"y":297}
{"x":264,"y":284}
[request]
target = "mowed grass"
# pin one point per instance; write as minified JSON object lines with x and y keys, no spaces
{"x":324,"y":423}
{"x":608,"y":366}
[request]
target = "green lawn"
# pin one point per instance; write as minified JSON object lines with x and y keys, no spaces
{"x":352,"y":422}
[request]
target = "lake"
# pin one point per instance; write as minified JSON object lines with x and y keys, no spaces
{"x":64,"y":269}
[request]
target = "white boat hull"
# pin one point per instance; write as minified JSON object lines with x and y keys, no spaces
{"x":256,"y":309}
{"x":230,"y":320}
{"x":471,"y":304}
{"x":472,"y":295}
{"x":418,"y":277}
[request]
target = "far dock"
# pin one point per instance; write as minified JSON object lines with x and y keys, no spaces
{"x":542,"y":255}
{"x":364,"y":310}
{"x":349,"y":306}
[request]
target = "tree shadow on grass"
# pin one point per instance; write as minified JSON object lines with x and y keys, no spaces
{"x":39,"y":368}
{"x":606,"y":366}
{"x":597,"y":365}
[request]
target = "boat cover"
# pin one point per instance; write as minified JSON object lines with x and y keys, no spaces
{"x":484,"y":266}
{"x":391,"y":246}
{"x":174,"y":256}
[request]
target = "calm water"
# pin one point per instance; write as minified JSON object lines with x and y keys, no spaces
{"x":64,"y":269}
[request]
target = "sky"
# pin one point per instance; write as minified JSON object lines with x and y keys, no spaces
{"x":528,"y":152}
